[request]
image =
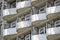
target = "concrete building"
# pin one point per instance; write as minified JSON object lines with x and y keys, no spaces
{"x":30,"y":20}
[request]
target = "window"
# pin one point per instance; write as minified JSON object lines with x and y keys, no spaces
{"x":57,"y":23}
{"x":42,"y":10}
{"x":13,"y":24}
{"x":56,"y":2}
{"x":42,"y":30}
{"x":27,"y":37}
{"x":27,"y":17}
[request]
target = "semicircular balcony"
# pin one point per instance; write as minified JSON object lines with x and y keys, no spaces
{"x":53,"y":33}
{"x":7,"y":33}
{"x":8,"y":13}
{"x":23,"y":25}
{"x":39,"y":37}
{"x":34,"y":2}
{"x":37,"y":2}
{"x":38,"y":18}
{"x":23,"y":7}
{"x":53,"y":11}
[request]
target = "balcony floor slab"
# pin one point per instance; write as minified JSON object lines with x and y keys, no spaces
{"x":53,"y":37}
{"x":53,"y":15}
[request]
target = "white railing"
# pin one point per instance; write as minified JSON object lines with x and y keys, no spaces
{"x":53,"y":9}
{"x":37,"y":17}
{"x":39,"y":37}
{"x":51,"y":31}
{"x":9,"y":31}
{"x":10,"y":11}
{"x":23,"y":4}
{"x":23,"y":24}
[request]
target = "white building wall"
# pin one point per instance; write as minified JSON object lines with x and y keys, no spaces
{"x":39,"y":37}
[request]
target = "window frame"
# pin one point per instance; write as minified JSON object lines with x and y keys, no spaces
{"x":13,"y":24}
{"x":57,"y":23}
{"x":42,"y":30}
{"x":28,"y":37}
{"x":57,"y":2}
{"x":44,"y":9}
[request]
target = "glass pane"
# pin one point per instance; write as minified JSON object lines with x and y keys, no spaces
{"x":57,"y":23}
{"x":41,"y":31}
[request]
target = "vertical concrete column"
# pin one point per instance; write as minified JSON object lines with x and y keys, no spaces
{"x":52,"y":23}
{"x":17,"y":38}
{"x":2,"y":21}
{"x":34,"y":10}
{"x":34,"y":31}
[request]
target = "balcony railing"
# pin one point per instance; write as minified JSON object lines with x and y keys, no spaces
{"x":23,"y":24}
{"x":37,"y":17}
{"x":39,"y":37}
{"x":10,"y":11}
{"x":51,"y":31}
{"x":23,"y":4}
{"x":53,"y":9}
{"x":10,"y":31}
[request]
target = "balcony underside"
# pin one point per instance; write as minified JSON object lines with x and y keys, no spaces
{"x":34,"y":3}
{"x":21,"y":32}
{"x":23,"y":29}
{"x":38,"y":23}
{"x":38,"y":3}
{"x":8,"y":36}
{"x":54,"y":37}
{"x":24,"y":11}
{"x":53,"y":15}
{"x":10,"y":18}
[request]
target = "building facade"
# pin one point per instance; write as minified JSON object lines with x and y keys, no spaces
{"x":30,"y":20}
